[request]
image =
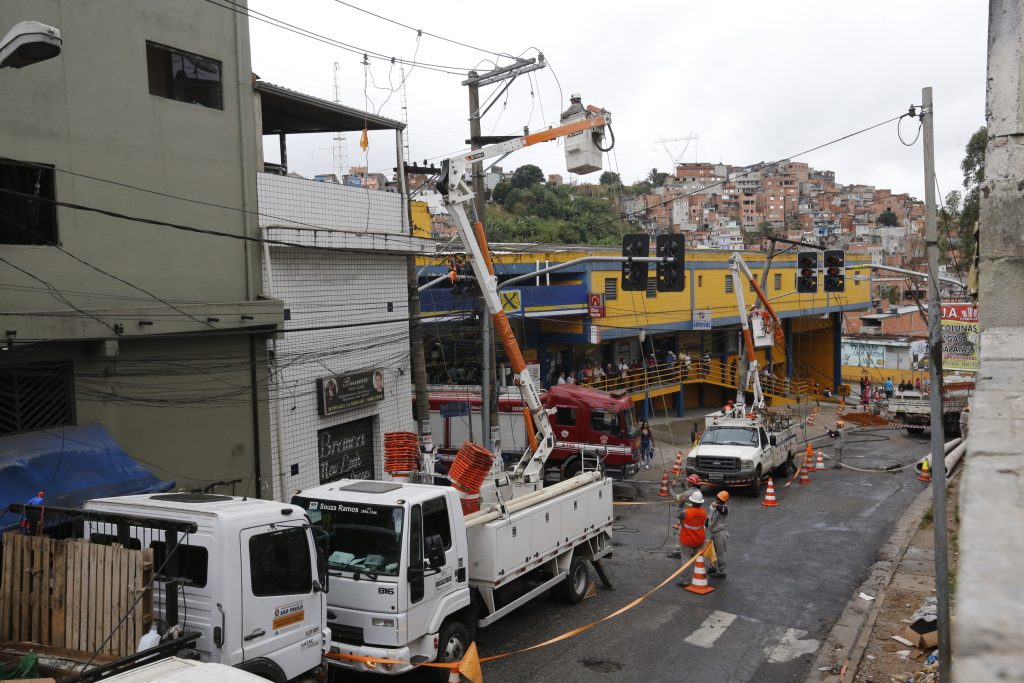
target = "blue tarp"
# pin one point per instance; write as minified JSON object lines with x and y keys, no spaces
{"x":72,"y":464}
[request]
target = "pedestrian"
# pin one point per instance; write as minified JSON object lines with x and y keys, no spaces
{"x":965,"y":416}
{"x":598,"y":373}
{"x":652,"y":362}
{"x":31,"y":518}
{"x":686,"y":365}
{"x":623,"y":368}
{"x":838,"y":441}
{"x":670,"y":359}
{"x":691,"y":534}
{"x":695,"y":434}
{"x":865,"y":390}
{"x":694,"y":481}
{"x":887,"y":387}
{"x":705,"y":364}
{"x":646,"y":445}
{"x":718,"y":522}
{"x":561,"y":378}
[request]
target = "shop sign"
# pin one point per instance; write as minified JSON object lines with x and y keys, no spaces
{"x":960,"y":337}
{"x":596,"y":307}
{"x":341,"y":392}
{"x":346,"y":451}
{"x":702,"y":319}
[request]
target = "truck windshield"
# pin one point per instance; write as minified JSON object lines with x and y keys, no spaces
{"x":732,"y":436}
{"x":365,"y":539}
{"x":606,"y":421}
{"x":629,"y":419}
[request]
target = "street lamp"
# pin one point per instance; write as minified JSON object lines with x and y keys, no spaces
{"x":29,"y":42}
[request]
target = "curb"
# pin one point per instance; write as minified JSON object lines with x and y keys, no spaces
{"x":852,"y":630}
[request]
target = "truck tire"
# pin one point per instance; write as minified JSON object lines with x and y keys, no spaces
{"x":754,"y":490}
{"x":786,"y":468}
{"x":265,"y":669}
{"x":573,"y":589}
{"x":572,"y":468}
{"x":452,"y":643}
{"x":915,"y":430}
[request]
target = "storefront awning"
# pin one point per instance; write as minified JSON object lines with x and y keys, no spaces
{"x":72,"y":465}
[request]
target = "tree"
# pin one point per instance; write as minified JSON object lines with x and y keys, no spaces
{"x":973,"y":167}
{"x":501,"y":191}
{"x":527,"y":176}
{"x":609,"y":178}
{"x":657,"y":178}
{"x":887,"y":218}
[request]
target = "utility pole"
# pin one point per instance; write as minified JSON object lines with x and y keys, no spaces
{"x":938,"y":456}
{"x":488,"y":395}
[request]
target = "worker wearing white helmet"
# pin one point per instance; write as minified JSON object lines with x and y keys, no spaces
{"x":694,"y":481}
{"x":691,"y":533}
{"x":575,"y":107}
{"x":718,"y":529}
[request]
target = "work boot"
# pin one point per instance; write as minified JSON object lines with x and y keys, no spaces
{"x":682,"y":584}
{"x":675,"y":555}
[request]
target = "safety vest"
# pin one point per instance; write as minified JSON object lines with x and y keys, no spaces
{"x":691,"y":531}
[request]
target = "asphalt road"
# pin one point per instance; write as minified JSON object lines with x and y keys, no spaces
{"x":791,"y":571}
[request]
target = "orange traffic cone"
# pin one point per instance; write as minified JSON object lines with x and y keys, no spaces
{"x":810,"y":420}
{"x":805,"y":473}
{"x":453,"y":675}
{"x":664,"y":486}
{"x":810,"y":452}
{"x":926,"y":471}
{"x":820,"y":465}
{"x":677,"y":469}
{"x":769,"y":496}
{"x":699,"y":585}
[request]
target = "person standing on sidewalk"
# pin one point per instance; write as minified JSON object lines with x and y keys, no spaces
{"x":838,"y":441}
{"x":694,"y":481}
{"x":646,"y":445}
{"x":691,"y":533}
{"x":718,"y":522}
{"x":965,"y":417}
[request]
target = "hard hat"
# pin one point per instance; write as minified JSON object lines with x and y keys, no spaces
{"x":723,"y":496}
{"x":575,"y":96}
{"x":697,"y":498}
{"x":693,"y":479}
{"x":839,"y":423}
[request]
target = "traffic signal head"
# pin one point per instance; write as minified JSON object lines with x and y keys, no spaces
{"x":807,"y":272}
{"x":671,"y":273}
{"x":835,"y":270}
{"x":634,"y":275}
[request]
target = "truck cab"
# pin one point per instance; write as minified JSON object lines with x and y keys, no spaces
{"x":743,"y":451}
{"x":592,"y":426}
{"x":249,"y":579}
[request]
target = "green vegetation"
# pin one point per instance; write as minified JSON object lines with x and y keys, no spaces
{"x":887,"y":219}
{"x":525,"y":209}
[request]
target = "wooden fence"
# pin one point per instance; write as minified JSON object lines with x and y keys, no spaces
{"x":71,"y":594}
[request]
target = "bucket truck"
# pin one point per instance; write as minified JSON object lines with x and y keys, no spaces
{"x":415,"y":568}
{"x":741,"y":447}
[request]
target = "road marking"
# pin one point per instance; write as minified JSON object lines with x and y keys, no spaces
{"x":789,"y":645}
{"x":711,"y":630}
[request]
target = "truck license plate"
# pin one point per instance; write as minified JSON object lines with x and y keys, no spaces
{"x":716,"y":476}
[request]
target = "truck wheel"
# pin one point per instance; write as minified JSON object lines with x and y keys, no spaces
{"x":754,"y":490}
{"x":915,"y":430}
{"x":265,"y":669}
{"x":784,"y":470}
{"x":451,"y":646}
{"x":574,"y":587}
{"x":573,"y":468}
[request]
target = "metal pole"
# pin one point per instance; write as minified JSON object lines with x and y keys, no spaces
{"x":487,"y":419}
{"x":938,"y":460}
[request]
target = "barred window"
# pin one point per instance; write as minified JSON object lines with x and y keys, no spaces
{"x":36,"y":396}
{"x":728,"y":284}
{"x":611,"y":289}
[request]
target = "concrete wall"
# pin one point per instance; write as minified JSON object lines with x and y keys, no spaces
{"x":89,"y":111}
{"x":989,"y":608}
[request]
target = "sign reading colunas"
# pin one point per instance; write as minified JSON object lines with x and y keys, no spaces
{"x":960,"y":337}
{"x":341,"y":392}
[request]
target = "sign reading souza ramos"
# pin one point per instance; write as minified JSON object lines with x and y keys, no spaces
{"x":341,"y":392}
{"x":960,"y":337}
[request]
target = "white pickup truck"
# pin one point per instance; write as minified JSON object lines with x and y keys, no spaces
{"x":737,"y":451}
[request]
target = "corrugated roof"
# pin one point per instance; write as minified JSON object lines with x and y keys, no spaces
{"x":288,"y":111}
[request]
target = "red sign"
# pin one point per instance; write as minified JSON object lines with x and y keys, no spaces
{"x":597,"y":309}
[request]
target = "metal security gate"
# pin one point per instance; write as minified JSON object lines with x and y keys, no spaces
{"x":36,"y":396}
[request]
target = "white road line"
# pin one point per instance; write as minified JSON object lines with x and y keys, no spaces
{"x":711,"y":630}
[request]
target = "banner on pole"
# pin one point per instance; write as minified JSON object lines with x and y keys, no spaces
{"x":960,"y":337}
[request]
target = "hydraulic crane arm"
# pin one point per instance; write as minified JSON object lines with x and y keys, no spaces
{"x":452,"y":186}
{"x":738,"y":266}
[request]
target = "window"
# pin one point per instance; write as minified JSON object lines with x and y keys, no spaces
{"x":565,"y":417}
{"x":435,"y":521}
{"x":279,"y":563}
{"x":778,"y":281}
{"x":606,"y":421}
{"x":183,"y":76}
{"x":415,"y":551}
{"x":364,"y":538}
{"x":28,"y":219}
{"x":36,"y":396}
{"x":652,"y":287}
{"x":700,"y":280}
{"x":611,"y":289}
{"x":728,"y":284}
{"x":189,"y":563}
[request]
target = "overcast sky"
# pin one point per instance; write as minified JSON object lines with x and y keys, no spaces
{"x":754,"y":81}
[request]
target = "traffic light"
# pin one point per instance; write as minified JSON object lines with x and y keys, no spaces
{"x":634,"y":275}
{"x":807,"y":272}
{"x":835,"y":270}
{"x":671,"y":274}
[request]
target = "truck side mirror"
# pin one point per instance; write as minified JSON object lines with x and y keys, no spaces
{"x":773,"y":440}
{"x":435,"y":551}
{"x":321,"y":539}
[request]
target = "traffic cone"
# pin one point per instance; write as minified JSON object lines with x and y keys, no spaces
{"x":699,"y":585}
{"x":664,"y":486}
{"x":677,"y":469}
{"x":769,"y":496}
{"x":805,"y":474}
{"x":820,"y":465}
{"x":810,"y":420}
{"x":810,"y":453}
{"x":926,"y":471}
{"x":453,"y":675}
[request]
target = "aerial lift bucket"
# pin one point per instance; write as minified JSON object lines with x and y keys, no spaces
{"x":582,"y":151}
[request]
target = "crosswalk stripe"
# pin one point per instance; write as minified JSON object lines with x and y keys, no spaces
{"x":711,"y":630}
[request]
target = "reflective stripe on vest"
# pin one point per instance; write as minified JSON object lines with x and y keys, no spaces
{"x":693,"y":528}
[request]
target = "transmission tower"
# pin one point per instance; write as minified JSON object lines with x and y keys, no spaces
{"x":405,"y":113}
{"x":340,"y":143}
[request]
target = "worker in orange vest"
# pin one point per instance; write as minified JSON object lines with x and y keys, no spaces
{"x":692,"y":520}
